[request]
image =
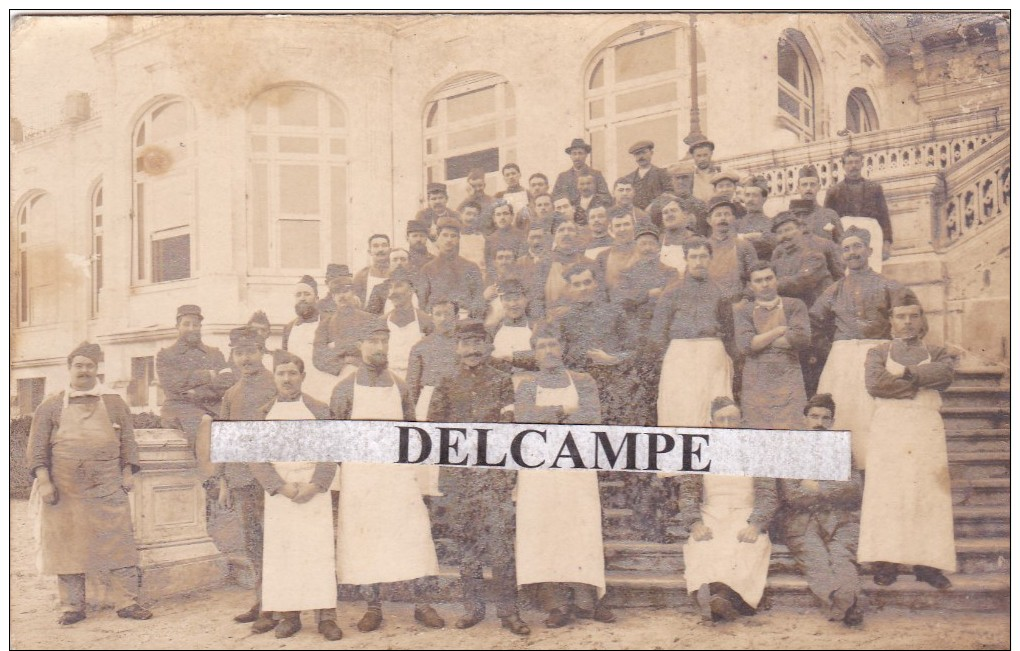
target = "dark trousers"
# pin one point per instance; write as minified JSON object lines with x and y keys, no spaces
{"x":123,"y":583}
{"x":824,"y":545}
{"x":249,"y":504}
{"x":423,"y":588}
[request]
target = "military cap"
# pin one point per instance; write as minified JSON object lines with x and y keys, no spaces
{"x":417,"y":226}
{"x":436,"y":187}
{"x":308,"y":280}
{"x":578,"y":143}
{"x":470,"y":329}
{"x":448,"y":222}
{"x":639,"y":145}
{"x":645,"y":227}
{"x":245,"y":336}
{"x":337,"y":271}
{"x":87,"y":349}
{"x":807,"y":172}
{"x":189,"y":310}
{"x":860,"y":233}
{"x":782,"y":218}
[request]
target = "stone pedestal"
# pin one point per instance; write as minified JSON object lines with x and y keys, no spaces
{"x":168,"y":506}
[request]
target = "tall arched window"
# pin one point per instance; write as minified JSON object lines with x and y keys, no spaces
{"x":297,"y":197}
{"x":97,"y":247}
{"x":39,"y":262}
{"x":638,"y":88}
{"x":469,"y":123}
{"x":164,"y":192}
{"x":796,"y":85}
{"x":861,"y":116}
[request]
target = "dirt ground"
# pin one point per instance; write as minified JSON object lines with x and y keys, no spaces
{"x":203,"y":621}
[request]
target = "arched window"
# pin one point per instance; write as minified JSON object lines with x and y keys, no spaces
{"x":796,"y":85}
{"x":39,"y":262}
{"x":638,"y":88}
{"x":164,"y":192}
{"x":297,"y":180}
{"x":861,"y":116}
{"x":469,"y":123}
{"x":97,"y":247}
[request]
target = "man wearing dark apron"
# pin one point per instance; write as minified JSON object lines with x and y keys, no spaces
{"x":83,"y":455}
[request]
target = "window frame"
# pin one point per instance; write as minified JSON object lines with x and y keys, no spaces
{"x":31,"y":241}
{"x":96,"y":247}
{"x":806,"y":100}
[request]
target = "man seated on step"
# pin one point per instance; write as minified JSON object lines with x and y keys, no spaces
{"x":821,"y":523}
{"x":726,"y":557}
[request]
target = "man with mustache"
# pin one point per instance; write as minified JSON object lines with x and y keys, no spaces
{"x":701,"y":150}
{"x":680,"y":218}
{"x":821,"y":221}
{"x":621,"y":255}
{"x":476,"y":193}
{"x":377,"y":272}
{"x":623,"y":198}
{"x":379,"y":302}
{"x":559,"y":514}
{"x":472,"y":241}
{"x":434,"y":357}
{"x":417,"y":245}
{"x":586,"y":191}
{"x":480,"y":501}
{"x":820,"y":523}
{"x":406,"y":323}
{"x":515,"y":194}
{"x":756,"y":226}
{"x":298,"y":553}
{"x":238,"y":489}
{"x":853,"y":313}
{"x":511,"y":336}
{"x":504,"y":266}
{"x":907,"y":509}
{"x":450,"y":274}
{"x":547,"y":294}
{"x":436,"y":196}
{"x":529,"y":265}
{"x":569,"y":182}
{"x":328,"y":303}
{"x":860,"y":197}
{"x":538,"y":186}
{"x":505,"y":234}
{"x":647,"y":180}
{"x":193,"y":376}
{"x":334,"y":349}
{"x":299,"y":337}
{"x":82,"y":453}
{"x":732,"y":257}
{"x":383,"y":531}
{"x":803,"y":273}
{"x":598,"y":229}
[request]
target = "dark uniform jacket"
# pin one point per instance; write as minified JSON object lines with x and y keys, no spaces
{"x":861,"y":198}
{"x":183,"y":373}
{"x":646,"y":189}
{"x":243,"y":401}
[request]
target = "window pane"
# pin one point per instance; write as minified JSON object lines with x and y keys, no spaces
{"x":788,"y":57}
{"x":660,"y":130}
{"x":43,"y":219}
{"x":299,"y":189}
{"x":168,"y":202}
{"x":338,"y":147}
{"x":458,"y":167}
{"x":258,"y":144}
{"x":789,"y":104}
{"x":853,"y":115}
{"x":338,"y":214}
{"x":483,"y":134}
{"x":597,"y":109}
{"x":299,"y":244}
{"x":297,"y":107}
{"x":289,"y":145}
{"x":43,"y":301}
{"x":337,"y":119}
{"x":169,"y":120}
{"x":473,"y":104}
{"x":597,"y":76}
{"x":430,"y":121}
{"x":259,"y":193}
{"x":23,"y":272}
{"x":171,"y":258}
{"x":646,"y":98}
{"x":98,"y":202}
{"x":511,"y":128}
{"x":598,"y":149}
{"x":646,"y":57}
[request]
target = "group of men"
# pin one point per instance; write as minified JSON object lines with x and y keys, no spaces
{"x":675,"y":302}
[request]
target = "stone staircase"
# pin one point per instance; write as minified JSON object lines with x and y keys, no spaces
{"x":976,"y":413}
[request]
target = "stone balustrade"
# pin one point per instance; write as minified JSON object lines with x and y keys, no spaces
{"x":977,"y":193}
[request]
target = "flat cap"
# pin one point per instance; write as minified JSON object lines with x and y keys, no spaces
{"x":724,"y":175}
{"x":700,"y":141}
{"x":721,"y":200}
{"x":782,"y":218}
{"x":645,"y":227}
{"x":639,"y":145}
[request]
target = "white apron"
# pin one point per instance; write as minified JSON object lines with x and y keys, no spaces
{"x":510,"y":340}
{"x":843,"y":377}
{"x":383,"y":532}
{"x":494,"y":312}
{"x":673,"y":255}
{"x":683,"y":403}
{"x":318,"y":384}
{"x":370,"y":283}
{"x":559,"y":517}
{"x":299,"y":559}
{"x":402,"y":340}
{"x":428,"y":475}
{"x":869,"y":224}
{"x":726,"y":504}
{"x":907,"y":513}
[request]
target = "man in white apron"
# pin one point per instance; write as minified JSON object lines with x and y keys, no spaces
{"x":83,"y":455}
{"x":726,"y":557}
{"x":854,"y":313}
{"x":559,"y":513}
{"x":377,"y":271}
{"x":407,"y":324}
{"x":732,"y":257}
{"x":821,"y":524}
{"x":298,"y":553}
{"x":692,"y":319}
{"x":511,"y":337}
{"x":472,"y":241}
{"x":480,"y":501}
{"x":679,"y":223}
{"x":907,"y":512}
{"x":379,"y":300}
{"x":299,"y":339}
{"x":860,"y":201}
{"x":383,"y":531}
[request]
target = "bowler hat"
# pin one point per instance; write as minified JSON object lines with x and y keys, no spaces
{"x":578,"y":143}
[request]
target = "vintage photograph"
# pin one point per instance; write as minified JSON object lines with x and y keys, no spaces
{"x":763,"y":221}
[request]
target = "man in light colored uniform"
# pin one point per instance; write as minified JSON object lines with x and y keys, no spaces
{"x":299,"y":338}
{"x":375,"y":273}
{"x":407,"y":325}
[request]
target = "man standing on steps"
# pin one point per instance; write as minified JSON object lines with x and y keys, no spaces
{"x":299,"y":338}
{"x":856,"y":196}
{"x":648,"y":180}
{"x":567,"y":182}
{"x":480,"y":500}
{"x":907,"y":511}
{"x":821,"y":524}
{"x":854,"y":313}
{"x":821,"y":221}
{"x":451,"y":275}
{"x":375,"y":273}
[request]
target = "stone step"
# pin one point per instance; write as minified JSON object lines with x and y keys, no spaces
{"x":956,"y":418}
{"x":989,"y":490}
{"x":974,"y":556}
{"x":976,"y":396}
{"x":978,"y":440}
{"x":978,"y":465}
{"x":979,"y":376}
{"x":974,"y":592}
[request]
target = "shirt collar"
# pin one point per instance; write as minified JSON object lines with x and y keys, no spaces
{"x":769,"y":305}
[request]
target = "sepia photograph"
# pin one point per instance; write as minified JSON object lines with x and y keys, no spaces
{"x":622,"y":330}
